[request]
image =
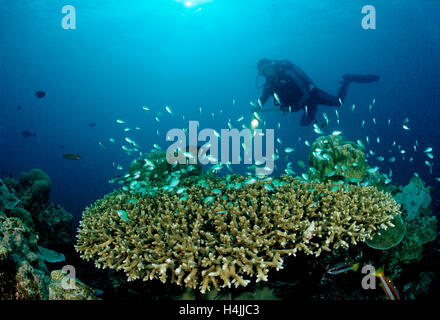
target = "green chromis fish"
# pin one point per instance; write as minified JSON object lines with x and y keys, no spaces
{"x":277,"y":99}
{"x":123,"y":215}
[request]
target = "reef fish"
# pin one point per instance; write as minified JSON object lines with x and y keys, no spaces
{"x":28,"y":134}
{"x":342,"y":267}
{"x":40,"y":94}
{"x":387,"y":285}
{"x":427,"y":150}
{"x":70,"y":156}
{"x":123,"y":215}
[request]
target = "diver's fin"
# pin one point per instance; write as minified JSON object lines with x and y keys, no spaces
{"x":361,"y":78}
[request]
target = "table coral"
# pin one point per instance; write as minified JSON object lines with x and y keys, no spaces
{"x":390,"y":237}
{"x":236,"y":236}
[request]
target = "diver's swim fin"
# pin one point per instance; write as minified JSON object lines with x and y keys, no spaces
{"x":361,"y":78}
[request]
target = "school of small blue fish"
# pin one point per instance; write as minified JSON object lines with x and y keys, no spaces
{"x":397,"y":153}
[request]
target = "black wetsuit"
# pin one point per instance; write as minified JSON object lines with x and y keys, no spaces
{"x":296,"y":90}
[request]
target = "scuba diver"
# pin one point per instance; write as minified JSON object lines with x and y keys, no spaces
{"x":293,"y":90}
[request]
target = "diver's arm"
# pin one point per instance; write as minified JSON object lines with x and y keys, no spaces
{"x":265,"y":96}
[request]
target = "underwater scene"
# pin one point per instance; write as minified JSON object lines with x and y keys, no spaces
{"x":219,"y":150}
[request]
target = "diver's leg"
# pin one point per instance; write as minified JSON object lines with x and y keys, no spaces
{"x":358,"y":78}
{"x":309,"y":116}
{"x":342,"y":92}
{"x":361,"y":78}
{"x":319,"y":96}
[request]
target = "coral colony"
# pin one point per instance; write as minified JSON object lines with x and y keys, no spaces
{"x":205,"y":236}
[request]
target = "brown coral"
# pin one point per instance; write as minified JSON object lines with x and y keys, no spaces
{"x":238,"y":236}
{"x":333,"y":158}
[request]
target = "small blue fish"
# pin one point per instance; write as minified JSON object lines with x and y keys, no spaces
{"x":268,"y":188}
{"x":373,"y":170}
{"x":209,"y":200}
{"x":123,"y":215}
{"x":312,"y":205}
{"x":250,"y":181}
{"x":427,"y":150}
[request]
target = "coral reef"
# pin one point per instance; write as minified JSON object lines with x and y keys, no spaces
{"x":18,"y":255}
{"x":260,"y":292}
{"x":227,"y":232}
{"x":35,"y":185}
{"x":23,"y":215}
{"x":420,"y":287}
{"x":145,"y":175}
{"x":79,"y":292}
{"x":7,"y":199}
{"x":50,"y":255}
{"x":26,"y":227}
{"x":54,"y":225}
{"x":414,"y":197}
{"x":390,"y":237}
{"x":52,"y":222}
{"x":419,"y":233}
{"x":335,"y":159}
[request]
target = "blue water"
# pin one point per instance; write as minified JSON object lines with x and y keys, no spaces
{"x":128,"y":54}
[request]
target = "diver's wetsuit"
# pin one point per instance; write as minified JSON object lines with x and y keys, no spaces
{"x":296,"y":90}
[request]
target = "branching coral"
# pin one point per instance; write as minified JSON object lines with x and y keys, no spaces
{"x":227,"y":233}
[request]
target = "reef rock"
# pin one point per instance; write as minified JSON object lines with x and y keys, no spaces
{"x":414,"y":198}
{"x":419,"y":233}
{"x":60,"y":288}
{"x":22,"y":272}
{"x":35,"y":185}
{"x":7,"y":199}
{"x":23,"y":215}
